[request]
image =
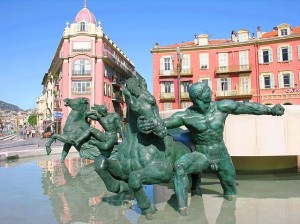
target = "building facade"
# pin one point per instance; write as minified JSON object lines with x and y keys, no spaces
{"x":87,"y":64}
{"x":264,"y":68}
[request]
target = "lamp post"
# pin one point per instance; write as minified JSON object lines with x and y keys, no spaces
{"x":178,"y":71}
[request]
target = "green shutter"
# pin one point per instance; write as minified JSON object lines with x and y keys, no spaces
{"x":261,"y":82}
{"x":292,"y":82}
{"x":162,"y":66}
{"x":290,"y":53}
{"x":270,"y":56}
{"x":279,"y":58}
{"x":229,"y":83}
{"x":260,"y":55}
{"x":218,"y":84}
{"x":280,"y":81}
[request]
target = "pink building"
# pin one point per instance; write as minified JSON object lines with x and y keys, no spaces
{"x":264,"y":69}
{"x":88,"y":64}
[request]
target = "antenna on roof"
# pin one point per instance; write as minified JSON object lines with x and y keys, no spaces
{"x":84,"y":4}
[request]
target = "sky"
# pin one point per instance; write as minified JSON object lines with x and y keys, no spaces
{"x":32,"y":29}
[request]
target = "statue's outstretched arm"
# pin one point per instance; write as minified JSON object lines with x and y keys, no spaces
{"x":233,"y":107}
{"x":175,"y":120}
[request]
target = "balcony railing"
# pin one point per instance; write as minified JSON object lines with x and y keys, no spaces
{"x":233,"y":93}
{"x":117,"y":97}
{"x":166,"y":72}
{"x":82,"y":50}
{"x":81,"y":72}
{"x":184,"y":95}
{"x":81,"y":92}
{"x":233,"y":69}
{"x":167,"y":95}
{"x":113,"y":58}
{"x":186,"y":71}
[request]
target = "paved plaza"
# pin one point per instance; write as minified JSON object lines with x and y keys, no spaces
{"x":13,"y":145}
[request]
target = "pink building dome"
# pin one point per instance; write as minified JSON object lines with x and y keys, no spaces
{"x":86,"y":15}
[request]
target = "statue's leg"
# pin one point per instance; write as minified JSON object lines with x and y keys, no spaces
{"x":160,"y":171}
{"x":65,"y":151}
{"x":227,"y":175}
{"x":189,"y":163}
{"x":103,"y":167}
{"x":85,"y":136}
{"x":62,"y":138}
{"x":49,"y":143}
{"x":106,"y":145}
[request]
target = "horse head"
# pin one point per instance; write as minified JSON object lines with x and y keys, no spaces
{"x":77,"y":104}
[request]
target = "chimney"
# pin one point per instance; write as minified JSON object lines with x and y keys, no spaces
{"x":233,"y":36}
{"x":195,"y":39}
{"x":259,"y":33}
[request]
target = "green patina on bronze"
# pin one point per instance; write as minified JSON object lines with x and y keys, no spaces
{"x":147,"y":154}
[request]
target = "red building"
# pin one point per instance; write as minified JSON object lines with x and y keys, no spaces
{"x":263,"y":69}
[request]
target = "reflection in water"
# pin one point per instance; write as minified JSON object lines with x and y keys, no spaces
{"x":77,"y":193}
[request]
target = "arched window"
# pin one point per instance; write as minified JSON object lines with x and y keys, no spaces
{"x":82,"y":67}
{"x":82,"y":26}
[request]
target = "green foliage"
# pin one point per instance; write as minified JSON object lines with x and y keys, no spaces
{"x":32,"y":119}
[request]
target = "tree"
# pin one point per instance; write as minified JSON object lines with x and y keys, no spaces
{"x":32,"y":119}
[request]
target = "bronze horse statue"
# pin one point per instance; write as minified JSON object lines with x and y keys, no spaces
{"x":75,"y":125}
{"x":142,"y":158}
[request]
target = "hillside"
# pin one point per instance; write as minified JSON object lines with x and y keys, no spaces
{"x":9,"y":107}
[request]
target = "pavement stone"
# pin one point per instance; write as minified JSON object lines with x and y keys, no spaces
{"x":20,"y":148}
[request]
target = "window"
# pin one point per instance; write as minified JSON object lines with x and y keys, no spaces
{"x":284,"y":54}
{"x":108,"y":90}
{"x":284,"y":32}
{"x":223,"y":84}
{"x":298,"y":52}
{"x":105,"y":89}
{"x":244,"y":62}
{"x":244,"y":85}
{"x":204,"y":61}
{"x":83,"y":46}
{"x":167,"y":87}
{"x":167,"y":106}
{"x":243,"y":37}
{"x":223,"y":61}
{"x":186,"y":64}
{"x":185,"y":86}
{"x":266,"y":81}
{"x":207,"y":81}
{"x":265,"y":56}
{"x":82,"y":67}
{"x":166,"y":66}
{"x":81,"y":87}
{"x":82,"y":26}
{"x":286,"y":80}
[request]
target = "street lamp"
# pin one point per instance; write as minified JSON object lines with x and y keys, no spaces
{"x":178,"y":70}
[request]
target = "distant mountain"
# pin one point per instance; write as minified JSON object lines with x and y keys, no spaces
{"x":9,"y":107}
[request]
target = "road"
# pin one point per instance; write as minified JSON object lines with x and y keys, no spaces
{"x":15,"y":144}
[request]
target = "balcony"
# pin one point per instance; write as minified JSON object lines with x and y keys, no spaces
{"x":233,"y":69}
{"x":117,"y":97}
{"x":233,"y":94}
{"x":115,"y":62}
{"x":81,"y":72}
{"x":81,"y":92}
{"x":186,"y":72}
{"x":166,"y":73}
{"x":184,"y":95}
{"x":167,"y":96}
